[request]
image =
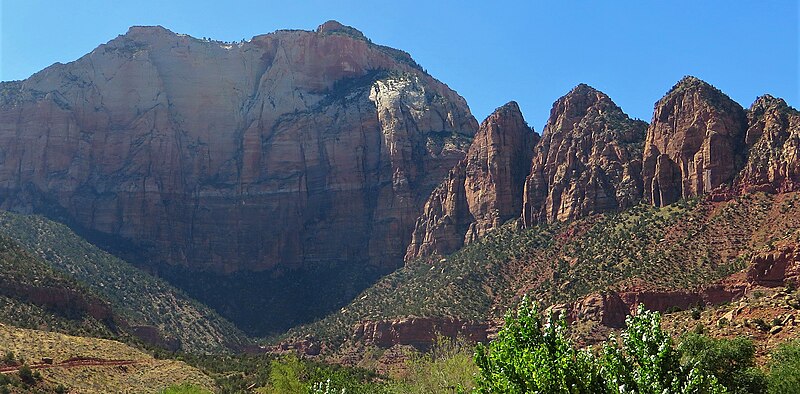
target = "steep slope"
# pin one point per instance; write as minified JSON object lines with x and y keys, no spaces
{"x":482,"y":191}
{"x":588,"y":161}
{"x":146,"y":306}
{"x":309,"y":152}
{"x":659,"y":252}
{"x":33,"y":295}
{"x":695,"y":143}
{"x":92,"y":365}
{"x":773,"y":139}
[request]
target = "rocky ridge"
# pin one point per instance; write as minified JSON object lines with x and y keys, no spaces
{"x":481,"y":191}
{"x":184,"y":147}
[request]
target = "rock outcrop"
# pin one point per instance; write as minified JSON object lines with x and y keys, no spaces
{"x":695,"y":143}
{"x":588,"y":160}
{"x":291,"y":149}
{"x":419,"y":332}
{"x":773,"y":141}
{"x":480,"y":192}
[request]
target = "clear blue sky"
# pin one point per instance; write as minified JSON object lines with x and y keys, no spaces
{"x":490,"y":52}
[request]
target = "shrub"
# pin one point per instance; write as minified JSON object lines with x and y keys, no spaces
{"x":184,"y":388}
{"x":784,"y":373}
{"x":26,"y":375}
{"x":448,"y":367}
{"x":732,"y":361}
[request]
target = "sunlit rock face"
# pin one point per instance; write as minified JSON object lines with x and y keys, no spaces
{"x":588,"y":161}
{"x":290,"y":150}
{"x":480,"y":192}
{"x":695,"y":143}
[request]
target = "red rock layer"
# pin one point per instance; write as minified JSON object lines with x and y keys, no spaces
{"x":588,"y":160}
{"x":480,"y":192}
{"x":290,"y":149}
{"x":773,"y":140}
{"x":419,"y":332}
{"x":695,"y":143}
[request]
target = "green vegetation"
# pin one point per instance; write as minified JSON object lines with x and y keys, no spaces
{"x":446,"y":368}
{"x":67,"y":260}
{"x":289,"y":374}
{"x":681,"y":246}
{"x":532,"y":355}
{"x":732,"y":361}
{"x":185,"y":388}
{"x":784,"y":373}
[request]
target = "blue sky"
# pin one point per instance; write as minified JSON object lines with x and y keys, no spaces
{"x":490,"y":52}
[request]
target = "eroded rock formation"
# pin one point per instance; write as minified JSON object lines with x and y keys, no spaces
{"x":480,"y":192}
{"x":291,"y":149}
{"x":695,"y":143}
{"x":773,"y":140}
{"x":588,"y":160}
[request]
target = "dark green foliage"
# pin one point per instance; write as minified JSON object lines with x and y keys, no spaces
{"x":732,"y":361}
{"x":26,"y":375}
{"x":784,"y":373}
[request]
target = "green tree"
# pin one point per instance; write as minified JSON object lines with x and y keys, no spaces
{"x":448,"y":367}
{"x":784,"y":372}
{"x":534,"y":355}
{"x":643,"y":360}
{"x":286,"y":377}
{"x":732,"y":361}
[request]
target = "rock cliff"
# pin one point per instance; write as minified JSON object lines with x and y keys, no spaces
{"x":291,"y":149}
{"x":588,"y":160}
{"x":695,"y":143}
{"x":480,"y":192}
{"x":773,"y":140}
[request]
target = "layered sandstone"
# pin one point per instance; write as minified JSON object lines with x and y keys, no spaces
{"x":419,"y":332}
{"x":291,"y":149}
{"x":588,"y":160}
{"x":773,"y":141}
{"x":695,"y":143}
{"x":480,"y":192}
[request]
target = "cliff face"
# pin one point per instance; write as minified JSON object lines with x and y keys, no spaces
{"x":588,"y":161}
{"x":290,"y":149}
{"x":480,"y":192}
{"x":773,"y":140}
{"x":695,"y":143}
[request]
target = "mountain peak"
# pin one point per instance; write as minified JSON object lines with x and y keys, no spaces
{"x":333,"y":27}
{"x":147,"y":30}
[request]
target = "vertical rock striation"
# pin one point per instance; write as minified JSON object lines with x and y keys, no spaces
{"x":291,"y":150}
{"x":481,"y":191}
{"x":695,"y":143}
{"x":773,"y":141}
{"x":588,"y":160}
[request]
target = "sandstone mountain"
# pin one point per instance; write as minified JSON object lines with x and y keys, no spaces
{"x":480,"y":192}
{"x":588,"y":161}
{"x":695,"y":143}
{"x":773,"y":140}
{"x":291,"y":149}
{"x":308,"y":153}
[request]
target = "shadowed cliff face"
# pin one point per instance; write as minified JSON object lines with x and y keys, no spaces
{"x":695,"y":143}
{"x":480,"y":192}
{"x":294,"y":149}
{"x":588,"y":161}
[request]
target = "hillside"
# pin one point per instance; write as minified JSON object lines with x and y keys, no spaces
{"x":151,"y":308}
{"x":34,"y":295}
{"x":91,"y":365}
{"x":681,"y":246}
